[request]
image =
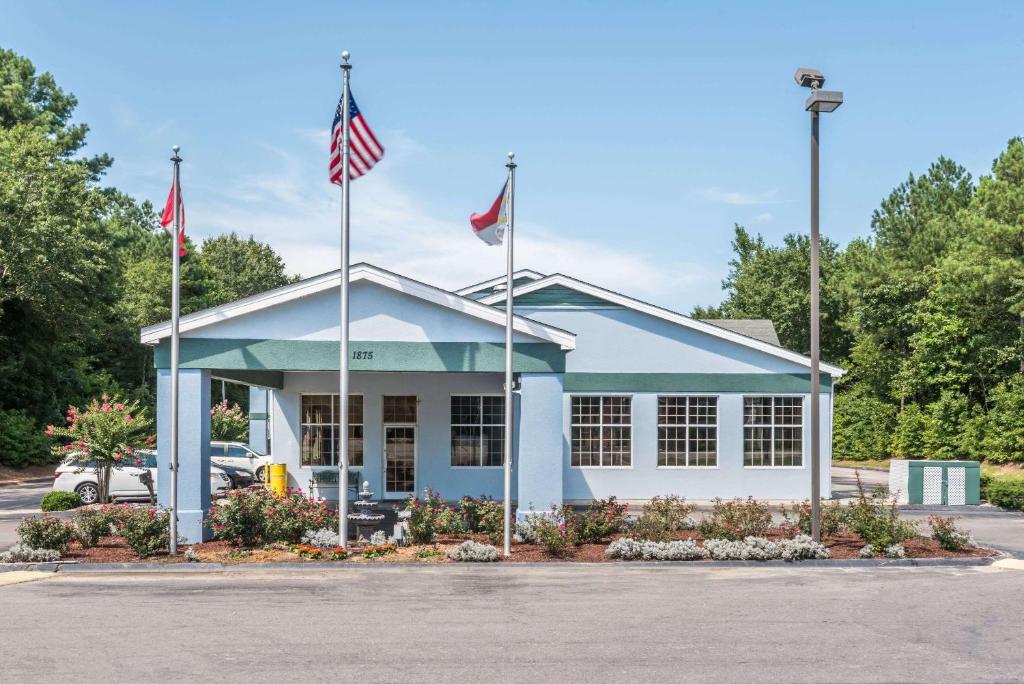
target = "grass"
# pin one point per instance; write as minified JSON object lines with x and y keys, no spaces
{"x":871,"y":464}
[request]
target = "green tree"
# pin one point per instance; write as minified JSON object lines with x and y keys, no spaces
{"x":240,"y":268}
{"x":863,"y":427}
{"x":1004,"y":440}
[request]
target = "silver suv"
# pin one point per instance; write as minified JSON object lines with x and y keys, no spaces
{"x":238,"y":455}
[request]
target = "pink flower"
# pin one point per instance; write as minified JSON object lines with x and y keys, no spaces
{"x":117,"y":457}
{"x":49,"y":431}
{"x":119,"y":407}
{"x":128,"y":418}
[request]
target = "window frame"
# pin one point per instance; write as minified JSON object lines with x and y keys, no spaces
{"x":632,"y":441}
{"x":333,"y":425}
{"x":717,"y":426}
{"x":804,"y":399}
{"x":481,"y":425}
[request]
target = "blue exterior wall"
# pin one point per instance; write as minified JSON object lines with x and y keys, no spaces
{"x":193,"y":449}
{"x":539,"y":470}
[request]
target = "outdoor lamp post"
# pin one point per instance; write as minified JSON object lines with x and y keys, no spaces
{"x":818,"y":101}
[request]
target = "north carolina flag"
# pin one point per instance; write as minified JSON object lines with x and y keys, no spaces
{"x":490,"y":226}
{"x":167,"y":219}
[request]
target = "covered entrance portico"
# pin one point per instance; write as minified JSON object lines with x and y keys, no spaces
{"x":426,"y":384}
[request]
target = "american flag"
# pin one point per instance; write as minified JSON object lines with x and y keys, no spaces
{"x":365,"y":150}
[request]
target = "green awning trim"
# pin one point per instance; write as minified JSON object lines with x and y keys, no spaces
{"x":308,"y":355}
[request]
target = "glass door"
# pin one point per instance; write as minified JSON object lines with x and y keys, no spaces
{"x":399,"y":461}
{"x":399,"y":446}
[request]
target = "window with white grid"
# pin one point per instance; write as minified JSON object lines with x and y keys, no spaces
{"x":320,"y":426}
{"x":688,"y":431}
{"x":602,"y":431}
{"x":773,"y":431}
{"x":478,"y":430}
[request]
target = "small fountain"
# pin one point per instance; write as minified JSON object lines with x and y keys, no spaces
{"x":365,"y":517}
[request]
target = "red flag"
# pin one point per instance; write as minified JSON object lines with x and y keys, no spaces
{"x":167,"y":219}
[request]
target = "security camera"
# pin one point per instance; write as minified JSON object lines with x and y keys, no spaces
{"x":809,"y":78}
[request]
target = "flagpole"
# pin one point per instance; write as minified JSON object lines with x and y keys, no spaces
{"x":175,"y":277}
{"x":509,"y":236}
{"x":346,"y":68}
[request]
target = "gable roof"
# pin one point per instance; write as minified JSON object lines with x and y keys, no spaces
{"x":758,"y":328}
{"x":716,"y":329}
{"x":489,"y":287}
{"x":152,"y":334}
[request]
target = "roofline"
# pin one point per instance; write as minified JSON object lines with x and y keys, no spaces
{"x":152,"y":334}
{"x":524,"y":272}
{"x":663,"y":314}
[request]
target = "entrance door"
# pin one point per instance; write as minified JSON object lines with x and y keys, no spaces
{"x":399,"y":461}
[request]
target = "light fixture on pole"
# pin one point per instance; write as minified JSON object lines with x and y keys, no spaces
{"x":818,"y":101}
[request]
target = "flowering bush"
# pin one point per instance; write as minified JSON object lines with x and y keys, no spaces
{"x":948,"y":535}
{"x":93,"y":523}
{"x":147,"y":531}
{"x":19,"y":553}
{"x":252,"y":517}
{"x":876,"y":518}
{"x":602,"y":519}
{"x":834,"y":517}
{"x":372,"y":551}
{"x":554,"y":531}
{"x":429,"y":517}
{"x":320,"y":552}
{"x":228,"y":423}
{"x":663,"y":517}
{"x":473,"y":552}
{"x":45,"y":532}
{"x":107,"y":433}
{"x":736,"y":520}
{"x":483,"y":515}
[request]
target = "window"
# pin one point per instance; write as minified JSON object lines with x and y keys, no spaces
{"x":238,"y":452}
{"x":400,"y":410}
{"x":320,"y":424}
{"x":773,"y":431}
{"x":602,"y":431}
{"x":688,"y":431}
{"x":478,"y":430}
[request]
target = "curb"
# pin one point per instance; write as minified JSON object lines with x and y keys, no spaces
{"x":341,"y":565}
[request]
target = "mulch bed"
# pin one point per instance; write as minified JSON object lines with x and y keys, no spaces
{"x":114,"y":550}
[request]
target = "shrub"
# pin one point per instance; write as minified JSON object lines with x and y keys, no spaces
{"x":60,"y":501}
{"x":320,"y":553}
{"x":323,"y":539}
{"x":1004,"y":440}
{"x":908,"y":439}
{"x":147,"y":531}
{"x":737,"y":519}
{"x":750,"y":548}
{"x":1007,"y":492}
{"x":45,"y":532}
{"x":473,"y":552}
{"x":483,"y":515}
{"x":866,"y":551}
{"x":664,"y":516}
{"x":672,"y":551}
{"x":228,"y":423}
{"x":429,"y":517}
{"x":288,"y":517}
{"x":834,"y":517}
{"x":863,"y":426}
{"x":553,"y":531}
{"x":22,"y":442}
{"x":428,"y":552}
{"x":875,"y":518}
{"x":380,"y":538}
{"x":602,"y":519}
{"x":625,"y":548}
{"x":378,"y":551}
{"x":802,"y":547}
{"x":948,"y":535}
{"x":93,"y":523}
{"x":895,"y":551}
{"x":19,"y":553}
{"x":241,"y":520}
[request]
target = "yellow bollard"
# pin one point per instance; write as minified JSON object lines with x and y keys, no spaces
{"x":278,"y":478}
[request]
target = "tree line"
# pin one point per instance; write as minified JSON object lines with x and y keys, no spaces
{"x":83,"y":266}
{"x":926,"y":314}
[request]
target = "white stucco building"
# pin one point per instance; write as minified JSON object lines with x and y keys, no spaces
{"x":615,"y":396}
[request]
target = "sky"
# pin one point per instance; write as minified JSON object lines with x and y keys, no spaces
{"x":643,"y":131}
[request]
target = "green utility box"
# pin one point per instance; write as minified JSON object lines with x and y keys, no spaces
{"x":946,"y":483}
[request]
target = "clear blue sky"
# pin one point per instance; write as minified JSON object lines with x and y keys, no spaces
{"x":643,"y":130}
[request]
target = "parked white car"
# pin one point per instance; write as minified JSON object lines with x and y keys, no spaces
{"x":76,"y":476}
{"x":238,"y":455}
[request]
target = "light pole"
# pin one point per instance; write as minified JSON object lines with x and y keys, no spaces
{"x":818,"y":101}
